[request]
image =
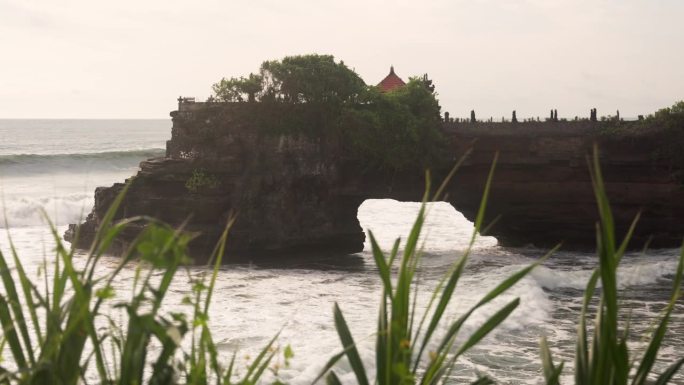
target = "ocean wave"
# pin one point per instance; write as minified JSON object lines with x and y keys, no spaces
{"x":25,"y":212}
{"x":18,"y":164}
{"x":633,"y":274}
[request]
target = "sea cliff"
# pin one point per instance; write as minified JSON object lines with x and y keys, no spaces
{"x":298,"y":192}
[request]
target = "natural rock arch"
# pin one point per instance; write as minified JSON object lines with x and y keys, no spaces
{"x":297,"y":194}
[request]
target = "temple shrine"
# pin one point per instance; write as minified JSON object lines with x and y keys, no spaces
{"x":391,"y":82}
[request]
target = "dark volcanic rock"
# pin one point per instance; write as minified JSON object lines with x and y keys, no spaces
{"x":296,"y":194}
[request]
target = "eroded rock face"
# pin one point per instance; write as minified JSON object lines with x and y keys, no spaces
{"x":542,"y":191}
{"x":296,"y":194}
{"x":283,"y":189}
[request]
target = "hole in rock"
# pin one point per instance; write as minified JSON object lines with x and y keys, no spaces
{"x":445,"y":228}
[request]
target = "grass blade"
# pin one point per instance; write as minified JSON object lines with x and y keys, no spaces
{"x":332,"y":379}
{"x":229,"y":372}
{"x":494,"y":293}
{"x":381,"y":263}
{"x":15,"y":305}
{"x":328,"y":365}
{"x":665,"y":378}
{"x":656,"y":340}
{"x":28,"y":288}
{"x":582,"y":365}
{"x":551,"y":372}
{"x":445,"y":298}
{"x":437,"y":368}
{"x":262,"y":356}
{"x":350,"y":346}
{"x":10,"y":334}
{"x":488,"y":326}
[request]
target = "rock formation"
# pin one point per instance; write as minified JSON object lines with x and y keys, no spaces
{"x":300,"y":194}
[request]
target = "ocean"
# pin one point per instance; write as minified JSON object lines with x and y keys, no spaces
{"x":50,"y":168}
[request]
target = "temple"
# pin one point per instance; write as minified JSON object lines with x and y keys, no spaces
{"x":391,"y":82}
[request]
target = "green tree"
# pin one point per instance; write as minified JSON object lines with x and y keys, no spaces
{"x":311,"y":79}
{"x":236,"y":89}
{"x":674,"y":112}
{"x":670,"y":122}
{"x":395,"y":130}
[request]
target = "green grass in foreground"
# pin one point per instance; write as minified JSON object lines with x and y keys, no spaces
{"x":606,"y":358}
{"x":53,"y":332}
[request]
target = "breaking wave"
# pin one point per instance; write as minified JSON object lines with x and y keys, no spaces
{"x":630,"y":273}
{"x":21,"y":164}
{"x":62,"y":210}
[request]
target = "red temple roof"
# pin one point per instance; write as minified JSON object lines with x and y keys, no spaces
{"x":391,"y":82}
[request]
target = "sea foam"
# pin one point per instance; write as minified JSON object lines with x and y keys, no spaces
{"x":641,"y":271}
{"x":61,"y":210}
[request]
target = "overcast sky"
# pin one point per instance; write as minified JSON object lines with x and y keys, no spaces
{"x":133,"y":58}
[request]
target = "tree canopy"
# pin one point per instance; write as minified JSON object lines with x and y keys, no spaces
{"x":397,"y":129}
{"x":311,"y":79}
{"x":295,"y":79}
{"x":674,"y":112}
{"x":236,"y":89}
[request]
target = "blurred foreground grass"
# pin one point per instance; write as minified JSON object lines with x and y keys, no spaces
{"x":49,"y":328}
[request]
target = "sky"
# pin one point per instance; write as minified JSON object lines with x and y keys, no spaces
{"x":133,"y":58}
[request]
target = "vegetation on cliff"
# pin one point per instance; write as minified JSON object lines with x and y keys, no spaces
{"x":199,"y":180}
{"x":665,"y":128}
{"x":398,"y":129}
{"x":671,"y":121}
{"x":394,"y":130}
{"x":294,"y":79}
